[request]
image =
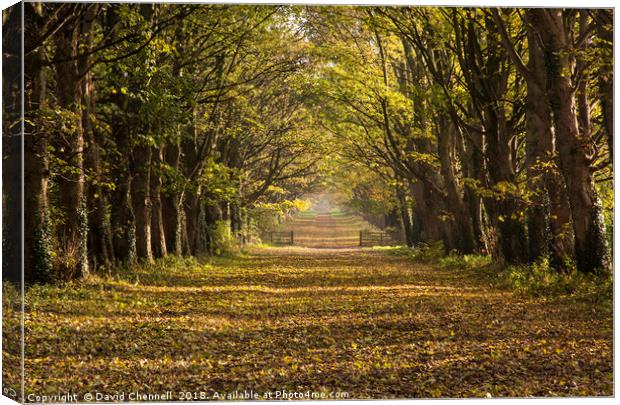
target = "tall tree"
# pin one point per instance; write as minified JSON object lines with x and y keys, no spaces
{"x":560,"y":33}
{"x":549,"y":208}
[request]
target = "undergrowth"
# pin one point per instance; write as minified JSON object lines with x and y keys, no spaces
{"x":540,"y":279}
{"x":535,"y":280}
{"x":158,"y":272}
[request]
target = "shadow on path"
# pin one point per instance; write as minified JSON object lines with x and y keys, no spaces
{"x":357,"y":320}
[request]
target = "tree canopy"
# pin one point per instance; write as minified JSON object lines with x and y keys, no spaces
{"x":158,"y":129}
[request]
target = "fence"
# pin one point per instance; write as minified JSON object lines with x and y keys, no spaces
{"x":368,"y":238}
{"x":281,"y":238}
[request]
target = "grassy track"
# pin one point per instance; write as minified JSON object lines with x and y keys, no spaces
{"x":326,"y":230}
{"x":358,"y":321}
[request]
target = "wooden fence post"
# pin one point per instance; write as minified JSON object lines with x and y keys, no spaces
{"x":361,"y":238}
{"x":292,"y":240}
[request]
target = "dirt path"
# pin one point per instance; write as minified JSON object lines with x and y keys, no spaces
{"x":324,"y":321}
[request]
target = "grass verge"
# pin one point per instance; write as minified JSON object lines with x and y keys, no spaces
{"x":535,"y":280}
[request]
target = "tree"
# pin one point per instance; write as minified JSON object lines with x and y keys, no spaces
{"x":562,"y":32}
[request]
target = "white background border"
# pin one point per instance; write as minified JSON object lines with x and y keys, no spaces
{"x":482,"y":3}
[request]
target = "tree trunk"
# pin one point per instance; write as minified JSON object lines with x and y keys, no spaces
{"x":604,"y":27}
{"x":490,"y":75}
{"x":550,"y":211}
{"x":37,"y":237}
{"x":123,"y":223}
{"x":171,"y":213}
{"x":99,"y":236}
{"x":561,"y":245}
{"x":505,"y":211}
{"x":427,"y":214}
{"x":171,"y":205}
{"x":70,"y":148}
{"x":140,"y":197}
{"x":158,"y":236}
{"x":473,"y":169}
{"x":537,"y":153}
{"x":11,"y":146}
{"x":236,"y":223}
{"x":213,"y":214}
{"x":405,"y":216}
{"x":591,"y":250}
{"x":464,"y":235}
{"x":193,"y":216}
{"x":121,"y":216}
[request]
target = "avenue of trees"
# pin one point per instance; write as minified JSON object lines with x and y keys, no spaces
{"x":492,"y":128}
{"x":153,"y":130}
